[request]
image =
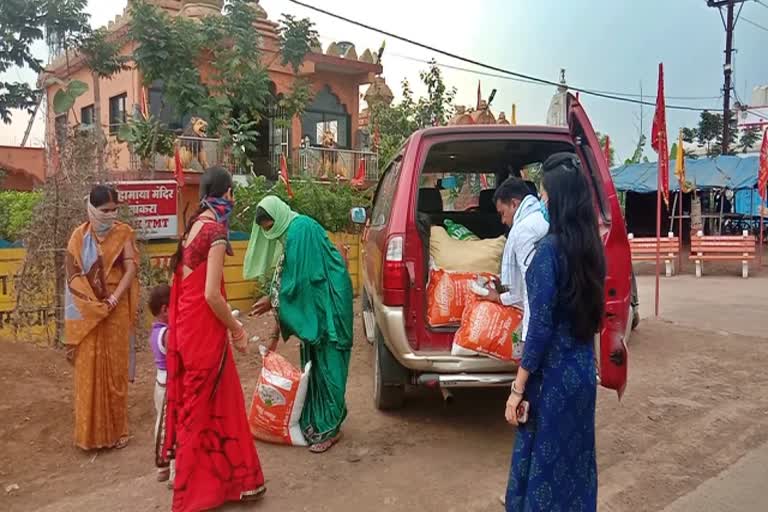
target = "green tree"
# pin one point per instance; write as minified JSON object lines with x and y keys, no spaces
{"x":396,"y":122}
{"x":637,"y":154}
{"x":238,"y":92}
{"x":22,"y":23}
{"x":749,"y":137}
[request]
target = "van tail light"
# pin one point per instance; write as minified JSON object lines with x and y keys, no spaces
{"x":395,"y":274}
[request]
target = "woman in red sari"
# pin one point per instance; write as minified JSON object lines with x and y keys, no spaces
{"x":207,"y":429}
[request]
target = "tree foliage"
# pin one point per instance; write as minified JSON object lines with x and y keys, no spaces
{"x":62,"y":23}
{"x":395,"y":123}
{"x":16,"y":213}
{"x":708,"y":134}
{"x":749,"y":137}
{"x":296,"y":38}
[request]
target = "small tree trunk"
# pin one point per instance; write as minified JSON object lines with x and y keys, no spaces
{"x":58,"y":266}
{"x":97,"y":123}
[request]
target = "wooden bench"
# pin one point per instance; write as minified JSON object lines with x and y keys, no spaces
{"x":644,"y":249}
{"x":723,"y":248}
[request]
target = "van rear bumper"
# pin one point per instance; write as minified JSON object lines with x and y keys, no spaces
{"x":391,"y":323}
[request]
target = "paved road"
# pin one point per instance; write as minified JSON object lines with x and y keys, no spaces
{"x":740,"y":488}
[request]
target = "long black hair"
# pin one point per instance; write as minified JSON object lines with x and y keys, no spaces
{"x":573,"y":222}
{"x":215,"y":182}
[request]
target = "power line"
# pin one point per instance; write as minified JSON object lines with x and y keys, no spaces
{"x":761,"y":3}
{"x":755,"y":24}
{"x":534,"y":82}
{"x":488,"y":66}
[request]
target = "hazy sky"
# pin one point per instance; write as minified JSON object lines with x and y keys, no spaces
{"x":612,"y":45}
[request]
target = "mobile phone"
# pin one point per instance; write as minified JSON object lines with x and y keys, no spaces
{"x":522,"y":412}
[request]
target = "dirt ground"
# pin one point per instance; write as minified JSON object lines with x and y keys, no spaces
{"x":696,"y":403}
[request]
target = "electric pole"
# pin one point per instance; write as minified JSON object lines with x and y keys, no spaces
{"x":729,"y":22}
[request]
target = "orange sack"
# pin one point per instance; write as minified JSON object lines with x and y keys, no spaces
{"x":447,"y":295}
{"x":278,"y":401}
{"x":489,"y":328}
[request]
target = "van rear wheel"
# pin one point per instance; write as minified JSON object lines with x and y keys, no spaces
{"x":389,"y":378}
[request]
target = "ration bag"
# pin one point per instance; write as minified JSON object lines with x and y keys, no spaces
{"x":278,"y":401}
{"x":489,"y":329}
{"x":447,"y":294}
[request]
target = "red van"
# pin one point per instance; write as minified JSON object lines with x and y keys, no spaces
{"x":408,"y":351}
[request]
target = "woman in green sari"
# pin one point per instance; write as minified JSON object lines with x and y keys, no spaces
{"x":311,"y":295}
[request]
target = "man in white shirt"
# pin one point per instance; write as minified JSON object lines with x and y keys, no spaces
{"x":522,"y":211}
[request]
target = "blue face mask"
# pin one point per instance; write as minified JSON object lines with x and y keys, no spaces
{"x":544,"y":210}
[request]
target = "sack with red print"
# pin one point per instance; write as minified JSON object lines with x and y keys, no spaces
{"x":488,"y":328}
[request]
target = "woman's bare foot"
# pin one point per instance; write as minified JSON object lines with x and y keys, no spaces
{"x":122,"y":443}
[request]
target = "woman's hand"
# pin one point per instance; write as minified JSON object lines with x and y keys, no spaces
{"x":511,"y":411}
{"x":262,"y":306}
{"x":493,"y":296}
{"x":71,"y":353}
{"x":112,"y":302}
{"x":240,"y":339}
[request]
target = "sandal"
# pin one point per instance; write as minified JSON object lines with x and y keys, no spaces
{"x":325,"y":445}
{"x":256,"y":495}
{"x":122,"y":443}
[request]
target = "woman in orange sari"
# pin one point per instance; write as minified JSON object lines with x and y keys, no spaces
{"x":207,"y":429}
{"x":100,"y":312}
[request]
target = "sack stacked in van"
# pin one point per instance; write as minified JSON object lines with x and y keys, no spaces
{"x":447,"y":294}
{"x":478,"y":256}
{"x":489,"y":329}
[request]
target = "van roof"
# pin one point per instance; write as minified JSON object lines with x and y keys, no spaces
{"x":492,"y":128}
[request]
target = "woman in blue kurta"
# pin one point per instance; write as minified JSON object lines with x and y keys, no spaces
{"x":553,"y":463}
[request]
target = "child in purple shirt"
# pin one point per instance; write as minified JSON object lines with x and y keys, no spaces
{"x":159,"y":299}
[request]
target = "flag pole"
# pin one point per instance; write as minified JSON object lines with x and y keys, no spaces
{"x":680,"y":231}
{"x":762,"y":212}
{"x":658,"y":239}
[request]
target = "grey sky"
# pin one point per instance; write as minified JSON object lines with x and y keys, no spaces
{"x":604,"y":44}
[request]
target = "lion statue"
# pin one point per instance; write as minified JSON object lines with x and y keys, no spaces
{"x":191,"y":149}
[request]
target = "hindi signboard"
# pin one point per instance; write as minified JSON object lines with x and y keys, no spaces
{"x":154,"y":205}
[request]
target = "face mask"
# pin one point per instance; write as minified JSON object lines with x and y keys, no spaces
{"x":101,"y":221}
{"x":221,"y":208}
{"x":544,"y":210}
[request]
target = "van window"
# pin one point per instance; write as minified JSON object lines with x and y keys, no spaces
{"x":597,"y":183}
{"x":460,"y":190}
{"x":385,"y":195}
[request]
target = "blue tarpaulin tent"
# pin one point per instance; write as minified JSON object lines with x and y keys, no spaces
{"x":731,"y":172}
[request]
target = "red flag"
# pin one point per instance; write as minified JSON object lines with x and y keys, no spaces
{"x":659,"y":137}
{"x":762,"y":174}
{"x":479,"y":96}
{"x":178,"y":173}
{"x":284,"y":175}
{"x":608,"y":150}
{"x":359,"y":178}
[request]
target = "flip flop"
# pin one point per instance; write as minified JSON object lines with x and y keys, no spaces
{"x":255,"y":495}
{"x":325,"y":445}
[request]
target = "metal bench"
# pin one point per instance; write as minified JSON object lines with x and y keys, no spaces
{"x":723,"y":248}
{"x":644,"y":249}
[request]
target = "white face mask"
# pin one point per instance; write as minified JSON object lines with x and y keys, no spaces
{"x":101,"y":221}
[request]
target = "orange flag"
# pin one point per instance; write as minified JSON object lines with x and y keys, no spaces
{"x":284,"y":175}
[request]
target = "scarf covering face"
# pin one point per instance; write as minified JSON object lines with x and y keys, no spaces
{"x":222,"y":210}
{"x":101,"y":221}
{"x":265,"y":247}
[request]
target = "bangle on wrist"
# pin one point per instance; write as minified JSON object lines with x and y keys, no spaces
{"x":515,"y":391}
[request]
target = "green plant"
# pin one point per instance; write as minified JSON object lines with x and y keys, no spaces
{"x":296,"y":39}
{"x":241,"y":136}
{"x":16,"y":213}
{"x":65,"y":97}
{"x":147,"y":137}
{"x":327,"y":203}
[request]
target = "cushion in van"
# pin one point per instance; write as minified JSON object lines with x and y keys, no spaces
{"x":465,"y":256}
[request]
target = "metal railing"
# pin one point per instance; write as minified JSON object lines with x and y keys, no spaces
{"x":325,"y":163}
{"x":196,"y":153}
